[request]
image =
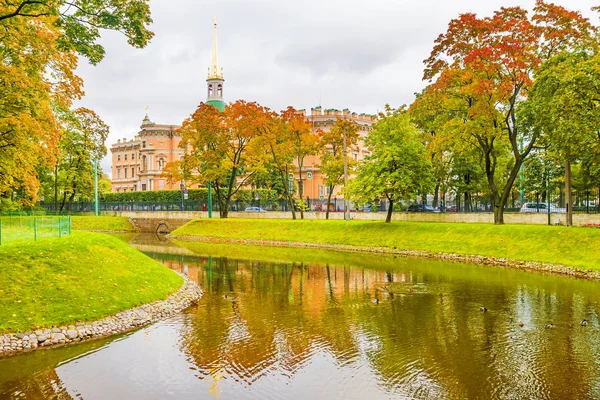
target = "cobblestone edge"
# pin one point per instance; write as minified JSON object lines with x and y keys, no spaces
{"x":472,"y":259}
{"x":121,"y":322}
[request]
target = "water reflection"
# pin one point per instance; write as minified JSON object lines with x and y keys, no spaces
{"x":426,"y":338}
{"x":328,"y":325}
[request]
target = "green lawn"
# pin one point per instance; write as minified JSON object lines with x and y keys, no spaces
{"x":576,"y":247}
{"x":101,"y":223}
{"x":80,"y":277}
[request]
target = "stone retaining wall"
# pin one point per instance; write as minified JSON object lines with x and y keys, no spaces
{"x":472,"y":259}
{"x":179,"y":217}
{"x":119,"y":323}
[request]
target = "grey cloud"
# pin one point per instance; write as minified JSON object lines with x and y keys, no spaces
{"x":349,"y":53}
{"x":358,"y":56}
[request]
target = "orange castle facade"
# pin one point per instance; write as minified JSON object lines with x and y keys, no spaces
{"x":137,"y":164}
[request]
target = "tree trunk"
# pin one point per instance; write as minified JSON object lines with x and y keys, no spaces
{"x":223,"y":208}
{"x":568,"y":194}
{"x":329,"y":201}
{"x":436,"y":195}
{"x":468,"y":202}
{"x":64,"y":199}
{"x":71,"y":198}
{"x":287,"y":193}
{"x":498,"y":212}
{"x":56,"y":186}
{"x":301,"y":192}
{"x":388,"y":218}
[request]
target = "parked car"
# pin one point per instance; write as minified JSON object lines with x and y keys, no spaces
{"x":254,"y":209}
{"x":533,"y":207}
{"x":421,"y":208}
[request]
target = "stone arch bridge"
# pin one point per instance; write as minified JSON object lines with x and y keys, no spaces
{"x":158,"y":221}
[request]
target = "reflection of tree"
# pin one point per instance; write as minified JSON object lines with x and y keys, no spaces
{"x":431,"y":342}
{"x":44,"y":385}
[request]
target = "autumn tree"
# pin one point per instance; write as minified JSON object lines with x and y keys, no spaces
{"x":40,"y":42}
{"x":221,"y":147}
{"x":488,"y":64}
{"x":78,"y":22}
{"x":332,"y":158}
{"x":276,"y":138}
{"x":397,"y":168}
{"x":304,"y":143}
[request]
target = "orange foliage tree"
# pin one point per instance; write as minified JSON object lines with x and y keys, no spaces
{"x":221,"y":147}
{"x":487,"y":65}
{"x":40,"y":42}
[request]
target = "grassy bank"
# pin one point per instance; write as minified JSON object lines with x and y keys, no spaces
{"x":80,"y":277}
{"x":576,"y":247}
{"x":101,"y":223}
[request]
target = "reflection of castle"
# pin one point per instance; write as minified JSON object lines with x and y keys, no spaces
{"x":137,"y":164}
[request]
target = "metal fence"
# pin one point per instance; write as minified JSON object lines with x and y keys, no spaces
{"x":336,"y":205}
{"x":23,"y":227}
{"x":584,"y":201}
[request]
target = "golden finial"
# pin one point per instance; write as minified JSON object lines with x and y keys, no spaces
{"x":213,"y":71}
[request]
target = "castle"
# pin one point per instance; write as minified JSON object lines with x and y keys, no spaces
{"x":137,"y":164}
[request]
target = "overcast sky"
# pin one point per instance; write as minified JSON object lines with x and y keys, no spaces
{"x":338,"y":54}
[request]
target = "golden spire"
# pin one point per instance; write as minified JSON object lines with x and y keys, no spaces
{"x":213,"y":71}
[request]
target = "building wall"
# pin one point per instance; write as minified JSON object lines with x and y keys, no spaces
{"x":324,"y":120}
{"x":137,"y":163}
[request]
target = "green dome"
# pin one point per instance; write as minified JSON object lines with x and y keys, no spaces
{"x":218,"y":104}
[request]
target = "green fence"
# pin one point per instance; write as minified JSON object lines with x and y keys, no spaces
{"x":32,"y":228}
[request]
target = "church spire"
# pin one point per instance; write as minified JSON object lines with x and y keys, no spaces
{"x":215,"y":80}
{"x":213,"y":71}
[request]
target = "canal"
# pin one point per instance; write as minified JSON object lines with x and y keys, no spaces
{"x":296,"y":324}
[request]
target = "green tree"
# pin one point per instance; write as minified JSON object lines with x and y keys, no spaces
{"x":332,"y":158}
{"x":81,"y":143}
{"x":398,"y":167}
{"x":564,"y":107}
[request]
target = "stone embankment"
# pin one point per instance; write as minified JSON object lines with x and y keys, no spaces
{"x":472,"y":259}
{"x":119,"y":323}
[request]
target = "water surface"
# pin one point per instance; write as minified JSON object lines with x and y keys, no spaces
{"x":295,"y":324}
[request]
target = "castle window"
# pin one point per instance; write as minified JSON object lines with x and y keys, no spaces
{"x":144,"y":163}
{"x":118,"y":157}
{"x":125,"y":157}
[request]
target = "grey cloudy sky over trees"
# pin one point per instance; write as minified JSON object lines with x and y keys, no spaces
{"x":340,"y":54}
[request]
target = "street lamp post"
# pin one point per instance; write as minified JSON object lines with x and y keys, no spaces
{"x":548,"y":194}
{"x":346,"y":208}
{"x":96,"y":213}
{"x":209,"y":185}
{"x":181,"y":186}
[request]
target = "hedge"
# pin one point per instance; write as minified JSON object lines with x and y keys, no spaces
{"x":199,"y":195}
